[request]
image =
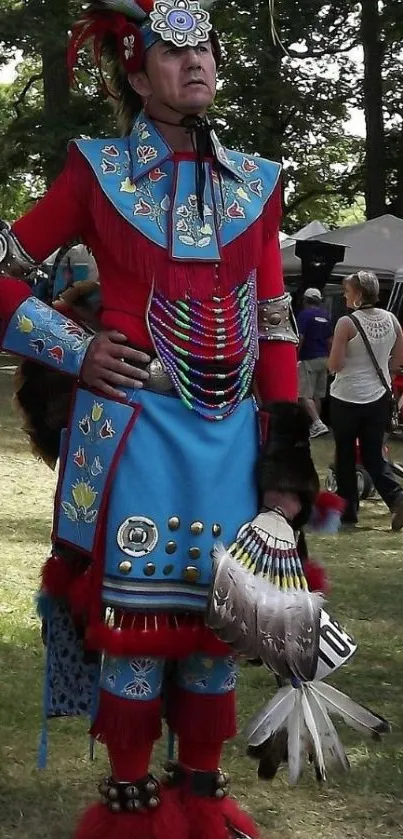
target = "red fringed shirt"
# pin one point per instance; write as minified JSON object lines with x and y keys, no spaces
{"x":75,"y":207}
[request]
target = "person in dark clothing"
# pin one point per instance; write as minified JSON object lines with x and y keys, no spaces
{"x":315,"y":332}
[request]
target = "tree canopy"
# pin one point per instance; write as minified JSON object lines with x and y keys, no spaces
{"x":287,"y":101}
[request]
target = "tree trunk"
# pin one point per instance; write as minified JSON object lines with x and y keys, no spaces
{"x":398,"y":208}
{"x":375,"y":178}
{"x":55,"y":86}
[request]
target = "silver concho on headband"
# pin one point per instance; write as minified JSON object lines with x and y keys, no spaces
{"x":137,"y":536}
{"x":183,"y":22}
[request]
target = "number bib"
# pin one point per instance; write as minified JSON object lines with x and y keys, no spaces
{"x":335,"y":646}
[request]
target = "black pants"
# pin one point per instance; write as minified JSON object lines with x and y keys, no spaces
{"x":366,"y":423}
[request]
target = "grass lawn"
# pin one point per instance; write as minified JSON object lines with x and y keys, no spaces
{"x":364,"y":567}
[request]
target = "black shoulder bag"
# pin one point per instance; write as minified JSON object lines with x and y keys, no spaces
{"x":393,"y":415}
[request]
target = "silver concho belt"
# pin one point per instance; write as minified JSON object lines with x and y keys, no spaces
{"x":160,"y":380}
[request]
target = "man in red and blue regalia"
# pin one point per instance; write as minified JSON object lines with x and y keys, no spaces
{"x":157,"y":459}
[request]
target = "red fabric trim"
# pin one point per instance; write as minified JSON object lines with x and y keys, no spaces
{"x":276,"y":369}
{"x":165,"y":641}
{"x":202,"y":718}
{"x":211,"y":645}
{"x":122,"y":723}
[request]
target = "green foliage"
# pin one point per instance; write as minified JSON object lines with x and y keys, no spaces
{"x":286,"y":102}
{"x":41,"y":113}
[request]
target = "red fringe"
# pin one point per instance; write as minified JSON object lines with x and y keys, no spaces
{"x":57,"y":576}
{"x":166,"y":822}
{"x":80,"y":594}
{"x":70,"y":579}
{"x":174,"y":278}
{"x":203,"y":718}
{"x":316,"y":576}
{"x":121,"y":723}
{"x":163,"y":642}
{"x":209,"y":818}
{"x":211,"y":645}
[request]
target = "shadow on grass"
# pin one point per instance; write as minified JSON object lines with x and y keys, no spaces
{"x":38,"y":803}
{"x":13,"y":442}
{"x":25,"y":529}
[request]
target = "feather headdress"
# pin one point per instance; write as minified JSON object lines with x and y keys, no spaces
{"x":137,"y":25}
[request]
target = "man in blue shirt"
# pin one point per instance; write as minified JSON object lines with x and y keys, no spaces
{"x":315,"y":340}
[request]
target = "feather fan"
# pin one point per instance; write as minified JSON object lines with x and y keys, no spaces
{"x":304,"y":711}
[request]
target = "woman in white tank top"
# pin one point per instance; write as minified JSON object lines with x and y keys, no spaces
{"x":359,"y":406}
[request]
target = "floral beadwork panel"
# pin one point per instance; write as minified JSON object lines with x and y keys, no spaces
{"x":201,"y":674}
{"x":97,"y":428}
{"x":132,"y":678}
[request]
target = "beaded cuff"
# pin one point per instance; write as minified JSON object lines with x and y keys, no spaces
{"x":38,"y":332}
{"x":14,"y":261}
{"x":276,"y":321}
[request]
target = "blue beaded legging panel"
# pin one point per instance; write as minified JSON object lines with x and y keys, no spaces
{"x":142,"y":678}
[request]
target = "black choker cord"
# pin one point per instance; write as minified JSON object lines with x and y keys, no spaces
{"x":200,"y":130}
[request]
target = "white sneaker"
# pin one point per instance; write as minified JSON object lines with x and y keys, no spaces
{"x":318,"y":428}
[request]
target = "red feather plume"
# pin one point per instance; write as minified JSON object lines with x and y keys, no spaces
{"x":147,"y":5}
{"x":95,"y":26}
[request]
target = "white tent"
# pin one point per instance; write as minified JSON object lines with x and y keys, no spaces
{"x":310,"y":231}
{"x":375,"y":245}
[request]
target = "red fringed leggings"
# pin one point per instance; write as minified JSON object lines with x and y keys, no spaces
{"x":196,"y":694}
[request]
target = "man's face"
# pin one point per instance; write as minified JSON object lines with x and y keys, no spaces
{"x":182,"y":77}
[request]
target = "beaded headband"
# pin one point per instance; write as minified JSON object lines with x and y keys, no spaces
{"x":138,"y":25}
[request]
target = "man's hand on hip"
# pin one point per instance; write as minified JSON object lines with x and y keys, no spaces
{"x":109,"y":364}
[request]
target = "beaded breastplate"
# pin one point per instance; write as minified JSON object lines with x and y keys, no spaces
{"x":209,"y":348}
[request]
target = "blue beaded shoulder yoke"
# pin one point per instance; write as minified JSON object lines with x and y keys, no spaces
{"x":156,"y":193}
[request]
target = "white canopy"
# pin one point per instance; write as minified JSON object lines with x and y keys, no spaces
{"x":375,"y":245}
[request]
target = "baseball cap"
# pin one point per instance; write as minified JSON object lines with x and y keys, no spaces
{"x":313,"y":294}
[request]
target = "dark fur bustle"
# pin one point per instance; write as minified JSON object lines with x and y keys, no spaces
{"x":285,"y":463}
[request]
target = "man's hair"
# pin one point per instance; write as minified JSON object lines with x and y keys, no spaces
{"x":126,"y":102}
